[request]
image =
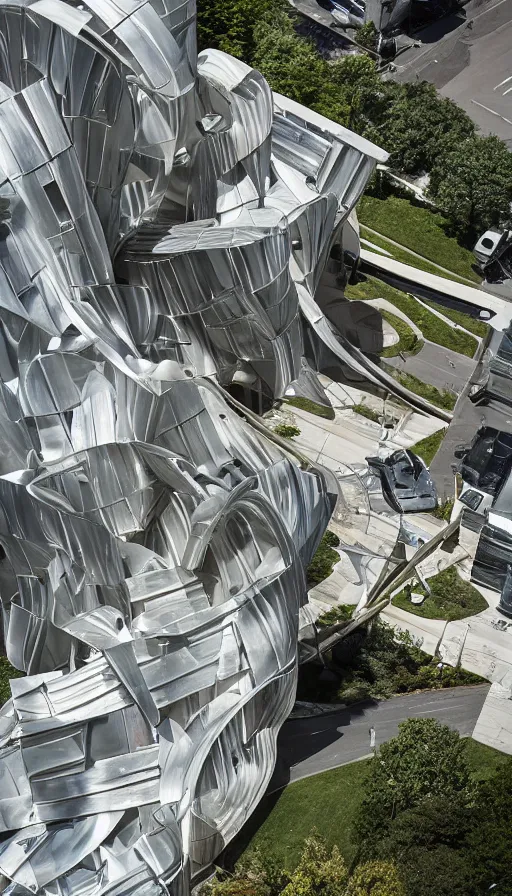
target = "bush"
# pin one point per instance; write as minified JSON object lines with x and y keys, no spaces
{"x":384,"y":663}
{"x":341,"y":613}
{"x":444,"y":510}
{"x":286,"y":431}
{"x":367,"y":36}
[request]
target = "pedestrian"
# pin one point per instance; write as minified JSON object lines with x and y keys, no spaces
{"x":371,"y":732}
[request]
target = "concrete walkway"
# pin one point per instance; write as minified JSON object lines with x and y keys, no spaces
{"x":470,"y":295}
{"x":384,"y":305}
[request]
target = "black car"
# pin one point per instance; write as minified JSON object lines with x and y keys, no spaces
{"x":406,"y":481}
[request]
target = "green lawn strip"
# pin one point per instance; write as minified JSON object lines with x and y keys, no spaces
{"x":419,"y":229}
{"x":408,"y":341}
{"x":433,"y":328}
{"x":305,"y":404}
{"x":6,"y":673}
{"x":364,"y":411}
{"x":428,"y":447}
{"x":483,"y":761}
{"x":323,"y":561}
{"x":444,"y":511}
{"x":451,"y":598}
{"x":406,"y":256}
{"x":442,"y":399}
{"x":329,"y":802}
{"x":478,"y":327}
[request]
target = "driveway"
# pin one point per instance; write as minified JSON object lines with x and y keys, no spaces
{"x":309,"y":746}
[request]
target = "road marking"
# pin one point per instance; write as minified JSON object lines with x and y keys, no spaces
{"x":503,"y":82}
{"x":508,"y":121}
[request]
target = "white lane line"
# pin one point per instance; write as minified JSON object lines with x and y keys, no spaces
{"x":503,"y":82}
{"x":508,"y":121}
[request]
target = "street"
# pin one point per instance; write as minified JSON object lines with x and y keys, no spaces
{"x":312,"y":745}
{"x":467,"y":57}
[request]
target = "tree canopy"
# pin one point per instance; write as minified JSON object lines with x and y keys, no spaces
{"x":425,"y":760}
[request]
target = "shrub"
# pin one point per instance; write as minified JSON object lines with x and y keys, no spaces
{"x":286,"y":431}
{"x":341,"y":613}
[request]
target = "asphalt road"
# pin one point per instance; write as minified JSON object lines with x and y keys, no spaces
{"x":467,"y":56}
{"x":309,"y":746}
{"x":438,"y":366}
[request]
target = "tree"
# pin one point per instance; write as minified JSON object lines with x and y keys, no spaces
{"x":293,"y":67}
{"x":376,"y":879}
{"x":229,"y":25}
{"x":472,"y":184}
{"x":425,"y":760}
{"x":423,"y":127}
{"x":319,"y":872}
{"x":365,"y":95}
{"x":428,"y":842}
{"x":488,"y":849}
{"x":367,"y":36}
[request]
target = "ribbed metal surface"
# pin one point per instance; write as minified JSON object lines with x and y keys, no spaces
{"x":163,"y":230}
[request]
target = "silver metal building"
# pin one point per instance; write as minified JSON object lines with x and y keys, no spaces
{"x":164,"y":225}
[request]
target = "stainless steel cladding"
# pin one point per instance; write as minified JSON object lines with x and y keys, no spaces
{"x":164,"y":223}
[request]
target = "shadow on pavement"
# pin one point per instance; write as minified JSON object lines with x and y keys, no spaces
{"x":298,"y":740}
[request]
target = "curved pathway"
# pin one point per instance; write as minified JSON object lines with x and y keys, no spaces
{"x":309,"y":746}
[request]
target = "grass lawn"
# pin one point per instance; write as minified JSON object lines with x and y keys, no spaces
{"x":364,"y":411}
{"x":6,"y":673}
{"x":305,"y":404}
{"x":433,"y":329}
{"x":478,"y":327}
{"x":451,"y":598}
{"x":483,"y":760}
{"x":419,"y":229}
{"x":444,"y":399}
{"x":427,"y":448}
{"x":408,"y":341}
{"x":406,"y":256}
{"x":329,"y":802}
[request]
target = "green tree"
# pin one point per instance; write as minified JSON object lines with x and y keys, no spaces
{"x":472,"y":184}
{"x":488,"y":852}
{"x":319,"y":872}
{"x":293,"y":67}
{"x":366,"y":97}
{"x":428,"y":842}
{"x":423,"y":761}
{"x":422,"y":127}
{"x":229,"y":25}
{"x":376,"y":879}
{"x":367,"y":36}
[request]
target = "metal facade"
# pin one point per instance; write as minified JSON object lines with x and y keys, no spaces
{"x":164,"y":224}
